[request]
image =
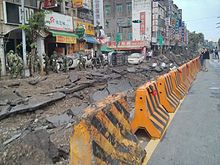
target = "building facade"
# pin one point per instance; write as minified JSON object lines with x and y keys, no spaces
{"x":142,"y":10}
{"x":98,"y":12}
{"x":62,"y":19}
{"x":10,"y":19}
{"x":159,"y":35}
{"x":118,"y":19}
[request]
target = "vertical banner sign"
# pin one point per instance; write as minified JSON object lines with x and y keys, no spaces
{"x":142,"y":24}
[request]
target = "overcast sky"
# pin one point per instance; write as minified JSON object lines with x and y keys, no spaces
{"x":201,"y":16}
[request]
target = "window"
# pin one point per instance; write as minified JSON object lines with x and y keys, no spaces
{"x":129,"y":36}
{"x":129,"y":21}
{"x":107,"y":10}
{"x":107,"y":23}
{"x":109,"y":35}
{"x":119,"y":8}
{"x":129,"y":7}
{"x":120,"y":20}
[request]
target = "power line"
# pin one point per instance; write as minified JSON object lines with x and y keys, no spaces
{"x":203,"y":18}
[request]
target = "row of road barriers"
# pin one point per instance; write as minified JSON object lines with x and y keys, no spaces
{"x":106,"y":135}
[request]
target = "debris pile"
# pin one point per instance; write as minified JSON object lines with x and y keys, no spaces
{"x":36,"y":114}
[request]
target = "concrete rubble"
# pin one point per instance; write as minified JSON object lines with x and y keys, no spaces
{"x":37,"y":117}
{"x":32,"y":104}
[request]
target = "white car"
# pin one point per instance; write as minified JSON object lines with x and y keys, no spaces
{"x":74,"y":60}
{"x":136,"y":58}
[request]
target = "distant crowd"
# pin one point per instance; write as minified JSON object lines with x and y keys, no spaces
{"x":205,"y":56}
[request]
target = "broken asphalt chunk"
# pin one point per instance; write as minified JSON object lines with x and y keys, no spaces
{"x":36,"y":102}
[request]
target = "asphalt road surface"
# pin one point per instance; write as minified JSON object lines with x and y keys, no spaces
{"x":193,"y":137}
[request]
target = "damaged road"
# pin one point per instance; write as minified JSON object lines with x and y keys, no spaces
{"x":36,"y":114}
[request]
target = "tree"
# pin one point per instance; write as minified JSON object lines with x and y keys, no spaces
{"x":196,"y":40}
{"x":36,"y":24}
{"x":33,"y":29}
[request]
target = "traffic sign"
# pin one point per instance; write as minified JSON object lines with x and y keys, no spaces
{"x":136,"y":21}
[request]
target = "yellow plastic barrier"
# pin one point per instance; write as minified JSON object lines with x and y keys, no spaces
{"x":149,"y":114}
{"x":168,"y":98}
{"x":179,"y":91}
{"x":190,"y":71}
{"x":184,"y":77}
{"x":103,"y":135}
{"x":179,"y":80}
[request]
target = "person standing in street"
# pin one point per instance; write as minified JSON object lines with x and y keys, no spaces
{"x":206,"y":57}
{"x":201,"y":59}
{"x":216,"y":54}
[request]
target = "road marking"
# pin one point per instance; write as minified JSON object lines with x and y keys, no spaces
{"x":153,"y":143}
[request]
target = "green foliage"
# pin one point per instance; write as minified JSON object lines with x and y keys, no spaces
{"x":36,"y":24}
{"x":196,"y":40}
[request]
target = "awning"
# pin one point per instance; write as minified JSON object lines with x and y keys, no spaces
{"x":91,"y":40}
{"x":105,"y":48}
{"x":61,"y":33}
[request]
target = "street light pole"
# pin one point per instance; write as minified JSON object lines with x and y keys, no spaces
{"x":24,"y":39}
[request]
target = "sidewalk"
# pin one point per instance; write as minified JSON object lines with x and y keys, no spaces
{"x":193,"y":137}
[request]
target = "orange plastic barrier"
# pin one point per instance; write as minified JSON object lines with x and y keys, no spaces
{"x":184,"y":79}
{"x":149,"y":114}
{"x":168,"y":98}
{"x":179,"y":91}
{"x":188,"y":73}
{"x":179,"y":75}
{"x":191,"y":70}
{"x":103,"y":135}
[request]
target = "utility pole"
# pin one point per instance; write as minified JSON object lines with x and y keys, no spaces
{"x":24,"y":39}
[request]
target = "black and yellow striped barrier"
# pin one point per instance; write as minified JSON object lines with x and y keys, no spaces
{"x":103,"y":135}
{"x":149,"y":114}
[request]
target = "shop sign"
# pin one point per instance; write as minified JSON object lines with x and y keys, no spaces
{"x":49,"y":4}
{"x":77,"y":3}
{"x":13,"y":13}
{"x":66,"y":39}
{"x":80,"y":31}
{"x":89,"y":28}
{"x":58,"y":21}
{"x":127,"y":44}
{"x":83,"y":3}
{"x":142,"y":24}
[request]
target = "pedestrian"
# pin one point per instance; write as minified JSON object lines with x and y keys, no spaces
{"x":149,"y":55}
{"x":0,"y":67}
{"x":216,"y":54}
{"x":206,"y":57}
{"x":11,"y":60}
{"x":19,"y":66}
{"x":201,"y":58}
{"x":47,"y":63}
{"x":65,"y":63}
{"x":53,"y":59}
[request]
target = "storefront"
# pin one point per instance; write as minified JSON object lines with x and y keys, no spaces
{"x":132,"y":46}
{"x":61,"y":38}
{"x":87,"y":41}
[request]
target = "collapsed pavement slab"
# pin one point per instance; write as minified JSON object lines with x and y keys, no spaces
{"x":32,"y":148}
{"x":70,"y":116}
{"x":34,"y":103}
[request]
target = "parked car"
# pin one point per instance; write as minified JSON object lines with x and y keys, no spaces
{"x":73,"y":62}
{"x":135,"y":58}
{"x":119,"y":58}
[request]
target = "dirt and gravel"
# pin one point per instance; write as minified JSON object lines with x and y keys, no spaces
{"x":40,"y":134}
